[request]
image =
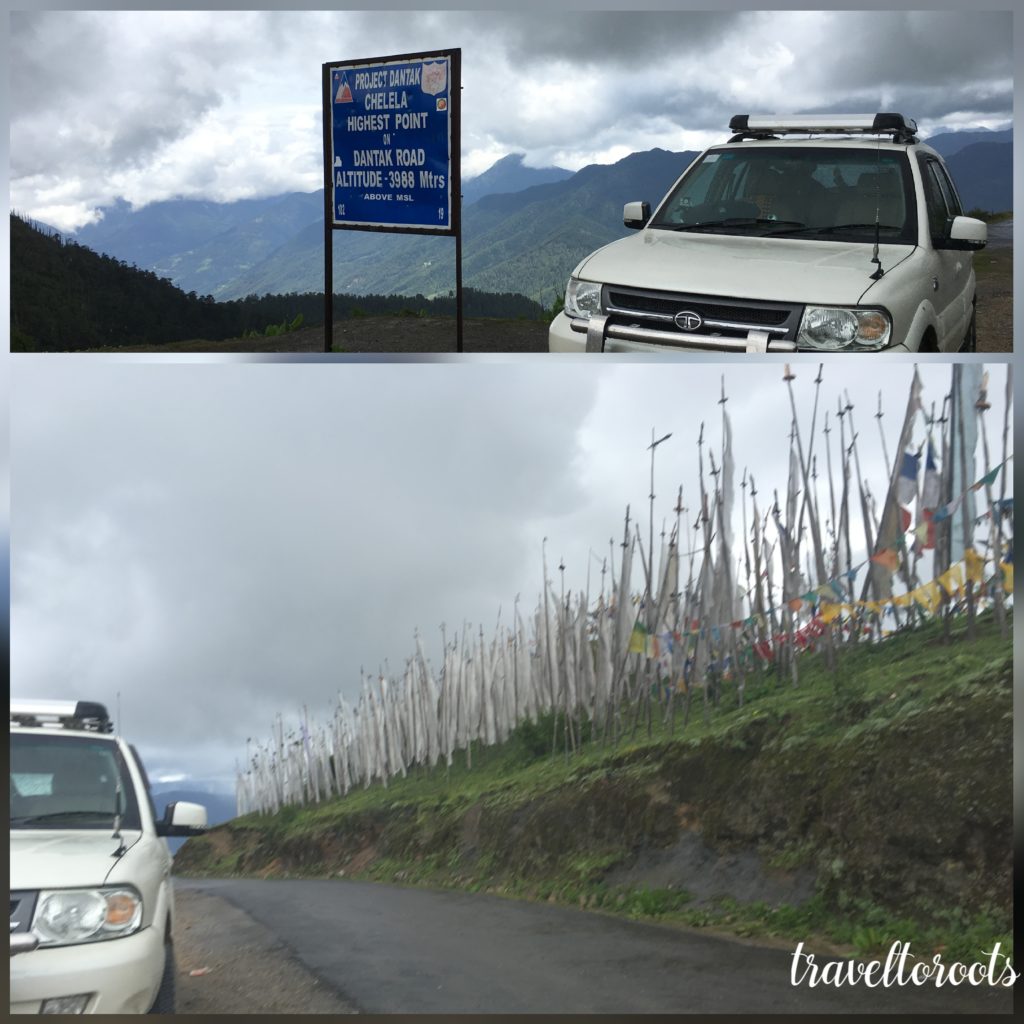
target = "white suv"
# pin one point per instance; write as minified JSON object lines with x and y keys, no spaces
{"x":92,"y":905}
{"x":849,"y":237}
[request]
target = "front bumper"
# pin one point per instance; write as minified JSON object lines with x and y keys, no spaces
{"x":121,"y":975}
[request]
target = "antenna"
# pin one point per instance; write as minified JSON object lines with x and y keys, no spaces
{"x":878,"y":206}
{"x":121,"y":848}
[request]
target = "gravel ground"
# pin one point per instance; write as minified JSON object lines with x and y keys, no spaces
{"x":247,"y":969}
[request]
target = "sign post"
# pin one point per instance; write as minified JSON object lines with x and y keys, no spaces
{"x":391,"y":154}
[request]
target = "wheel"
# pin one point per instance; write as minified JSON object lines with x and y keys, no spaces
{"x":164,"y":1002}
{"x":970,"y":343}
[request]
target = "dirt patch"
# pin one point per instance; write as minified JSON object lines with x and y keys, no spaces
{"x":469,"y":834}
{"x":222,"y":844}
{"x":438,"y":334}
{"x":384,"y":334}
{"x":242,"y":967}
{"x":708,"y":874}
{"x":361,"y":861}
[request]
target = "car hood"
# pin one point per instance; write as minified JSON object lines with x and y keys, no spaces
{"x":769,"y":269}
{"x":61,"y":859}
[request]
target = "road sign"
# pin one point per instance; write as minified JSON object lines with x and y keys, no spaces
{"x":390,"y":162}
{"x":391,"y":155}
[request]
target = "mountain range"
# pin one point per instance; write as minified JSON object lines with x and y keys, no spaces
{"x":524,"y":229}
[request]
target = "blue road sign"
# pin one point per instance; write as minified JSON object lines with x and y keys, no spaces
{"x":391,"y":144}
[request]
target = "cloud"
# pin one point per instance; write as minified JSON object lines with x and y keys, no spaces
{"x":917,"y":49}
{"x":623,"y":40}
{"x":220,"y":105}
{"x":197,"y":550}
{"x":121,"y":93}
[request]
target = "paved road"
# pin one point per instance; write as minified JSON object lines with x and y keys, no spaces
{"x":394,"y":950}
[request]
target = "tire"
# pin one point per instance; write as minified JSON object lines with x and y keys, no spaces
{"x":970,"y":343}
{"x":164,"y":1002}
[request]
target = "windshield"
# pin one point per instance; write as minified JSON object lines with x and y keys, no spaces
{"x":69,"y":782}
{"x":814,"y":192}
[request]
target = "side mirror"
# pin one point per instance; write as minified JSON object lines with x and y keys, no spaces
{"x":182,"y":819}
{"x":966,"y":233}
{"x":636,"y":215}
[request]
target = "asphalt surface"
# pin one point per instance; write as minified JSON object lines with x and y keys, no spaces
{"x":386,"y":949}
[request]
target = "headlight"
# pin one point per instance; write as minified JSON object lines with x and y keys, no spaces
{"x":833,"y":329}
{"x":65,"y":917}
{"x":582,"y":298}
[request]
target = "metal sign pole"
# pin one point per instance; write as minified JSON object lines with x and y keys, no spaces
{"x":455,"y":158}
{"x":458,"y":291}
{"x":328,"y":216}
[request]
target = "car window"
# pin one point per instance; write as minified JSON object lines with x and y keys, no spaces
{"x":69,"y":782}
{"x":145,"y":779}
{"x":947,"y":189}
{"x":937,"y":198}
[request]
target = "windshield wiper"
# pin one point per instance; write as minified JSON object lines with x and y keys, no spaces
{"x":730,"y":222}
{"x":833,"y":228}
{"x":21,"y":822}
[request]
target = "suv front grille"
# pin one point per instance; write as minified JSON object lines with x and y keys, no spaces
{"x":729,"y":318}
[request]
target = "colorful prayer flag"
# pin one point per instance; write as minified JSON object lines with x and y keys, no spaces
{"x":638,"y":639}
{"x":888,"y":558}
{"x":987,"y":480}
{"x":906,"y":482}
{"x":975,"y":565}
{"x":952,"y":580}
{"x":929,"y":596}
{"x":930,"y":489}
{"x":830,"y":612}
{"x":948,"y":511}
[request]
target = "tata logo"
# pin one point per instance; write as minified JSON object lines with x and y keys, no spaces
{"x":687,"y":320}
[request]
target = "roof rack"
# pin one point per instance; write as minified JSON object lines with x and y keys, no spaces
{"x":770,"y":126}
{"x":62,"y":714}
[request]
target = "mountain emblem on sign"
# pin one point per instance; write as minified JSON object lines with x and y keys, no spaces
{"x":344,"y":94}
{"x":435,"y":77}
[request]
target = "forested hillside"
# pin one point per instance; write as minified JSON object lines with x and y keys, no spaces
{"x":65,"y":297}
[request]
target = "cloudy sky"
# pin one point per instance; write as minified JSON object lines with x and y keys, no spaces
{"x":222,"y":542}
{"x":223,"y":105}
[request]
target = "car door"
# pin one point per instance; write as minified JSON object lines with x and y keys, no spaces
{"x":949,"y":269}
